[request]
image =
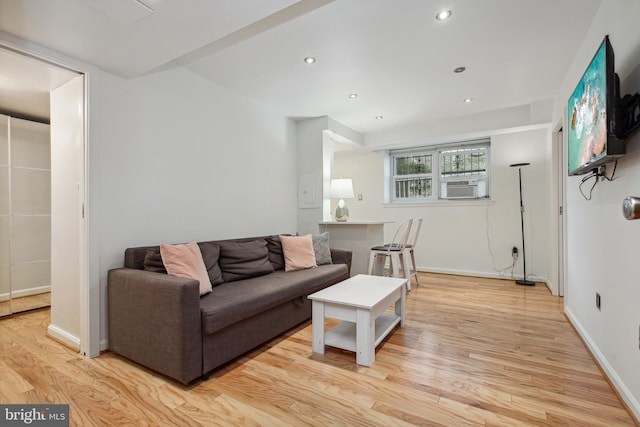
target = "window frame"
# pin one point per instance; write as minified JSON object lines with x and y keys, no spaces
{"x":436,"y":152}
{"x":429,"y":176}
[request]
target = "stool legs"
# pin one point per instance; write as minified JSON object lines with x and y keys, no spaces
{"x":372,"y":260}
{"x":408,"y":253}
{"x":376,"y":264}
{"x":397,"y":260}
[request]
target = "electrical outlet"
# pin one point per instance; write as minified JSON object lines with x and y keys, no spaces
{"x":598,"y":306}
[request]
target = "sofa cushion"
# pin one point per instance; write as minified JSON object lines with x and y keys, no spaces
{"x":153,"y":262}
{"x":298,"y":252}
{"x":186,"y":261}
{"x":321,"y":248}
{"x":243,"y":260}
{"x":232,"y":302}
{"x":210,"y":256}
{"x":276,"y":256}
{"x":134,"y":257}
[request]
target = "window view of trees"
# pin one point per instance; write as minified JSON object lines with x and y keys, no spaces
{"x":415,"y":187}
{"x":462,"y":162}
{"x":411,"y":165}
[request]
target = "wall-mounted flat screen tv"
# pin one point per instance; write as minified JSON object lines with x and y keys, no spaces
{"x":592,"y":115}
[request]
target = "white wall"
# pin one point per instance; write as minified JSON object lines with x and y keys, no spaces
{"x":176,"y":158}
{"x":469,"y":237}
{"x":603,"y":247}
{"x":309,"y":136}
{"x":462,"y":128}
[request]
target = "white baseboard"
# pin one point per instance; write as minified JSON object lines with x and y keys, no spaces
{"x":464,"y":273}
{"x":31,"y":291}
{"x":25,"y":292}
{"x":611,"y":374}
{"x":489,"y":275}
{"x":63,"y":336}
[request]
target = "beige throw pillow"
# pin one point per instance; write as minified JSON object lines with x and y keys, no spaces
{"x":298,"y":252}
{"x":186,"y":261}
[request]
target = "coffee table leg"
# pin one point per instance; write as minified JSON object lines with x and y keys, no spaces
{"x":365,"y":337}
{"x":317,"y":326}
{"x":401,"y":307}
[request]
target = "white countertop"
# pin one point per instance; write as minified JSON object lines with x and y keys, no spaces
{"x":350,"y":222}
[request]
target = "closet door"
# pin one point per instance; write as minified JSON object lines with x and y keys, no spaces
{"x":5,"y":236}
{"x":30,"y":161}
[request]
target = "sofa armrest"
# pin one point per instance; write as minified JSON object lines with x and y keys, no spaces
{"x":154,"y":319}
{"x":342,"y":256}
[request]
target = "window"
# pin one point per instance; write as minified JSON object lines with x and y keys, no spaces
{"x":463,"y":162}
{"x":456,"y":171}
{"x":413,"y":176}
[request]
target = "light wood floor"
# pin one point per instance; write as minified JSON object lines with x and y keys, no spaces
{"x":477,"y":352}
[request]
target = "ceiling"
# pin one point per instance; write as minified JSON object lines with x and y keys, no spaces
{"x":25,"y":84}
{"x":392,"y":53}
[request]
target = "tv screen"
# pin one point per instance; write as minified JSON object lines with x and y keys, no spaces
{"x":591,"y":108}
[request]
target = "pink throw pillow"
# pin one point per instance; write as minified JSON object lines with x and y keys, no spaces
{"x":186,"y":261}
{"x":298,"y":252}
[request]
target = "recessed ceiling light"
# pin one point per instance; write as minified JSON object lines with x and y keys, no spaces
{"x":459,"y":69}
{"x":309,"y":59}
{"x":443,"y":15}
{"x":353,"y":95}
{"x":379,"y":117}
{"x":468,"y":100}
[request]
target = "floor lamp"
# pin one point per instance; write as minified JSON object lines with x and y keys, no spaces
{"x":524,"y":280}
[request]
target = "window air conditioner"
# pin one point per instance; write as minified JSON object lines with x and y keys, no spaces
{"x":460,"y":189}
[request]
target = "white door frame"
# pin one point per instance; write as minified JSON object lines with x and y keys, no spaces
{"x":88,"y":298}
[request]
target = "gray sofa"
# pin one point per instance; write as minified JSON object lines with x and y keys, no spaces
{"x":162,"y":322}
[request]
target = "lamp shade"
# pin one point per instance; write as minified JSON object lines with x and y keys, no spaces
{"x":342,"y":188}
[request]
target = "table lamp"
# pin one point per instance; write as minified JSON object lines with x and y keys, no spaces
{"x":342,"y":188}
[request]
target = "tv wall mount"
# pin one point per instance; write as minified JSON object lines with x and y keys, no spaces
{"x":627,"y":112}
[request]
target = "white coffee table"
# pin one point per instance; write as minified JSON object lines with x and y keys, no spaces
{"x":360,"y":302}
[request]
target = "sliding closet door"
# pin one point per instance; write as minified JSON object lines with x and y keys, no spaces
{"x":25,"y":215}
{"x":30,"y":157}
{"x":5,"y":242}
